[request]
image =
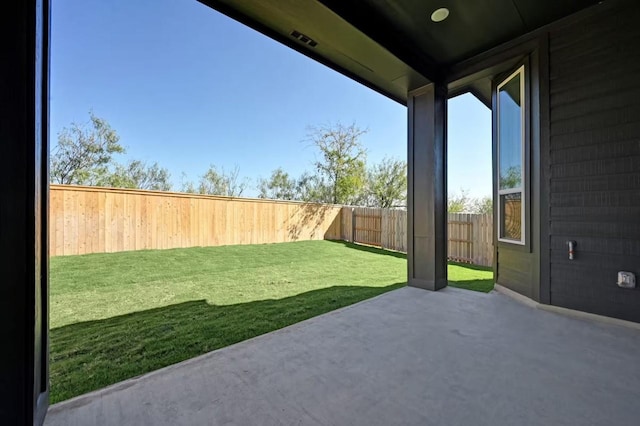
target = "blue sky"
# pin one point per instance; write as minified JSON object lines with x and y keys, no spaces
{"x":188,"y":87}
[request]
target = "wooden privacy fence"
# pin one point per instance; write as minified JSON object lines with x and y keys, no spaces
{"x":98,"y":220}
{"x":470,"y":236}
{"x":101,"y":220}
{"x":385,"y":228}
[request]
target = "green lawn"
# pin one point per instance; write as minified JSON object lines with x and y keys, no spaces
{"x":116,"y":316}
{"x":471,"y":277}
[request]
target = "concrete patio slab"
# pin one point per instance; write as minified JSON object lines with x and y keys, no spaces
{"x":408,"y":357}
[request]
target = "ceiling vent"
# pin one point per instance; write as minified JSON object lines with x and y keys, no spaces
{"x":303,"y":38}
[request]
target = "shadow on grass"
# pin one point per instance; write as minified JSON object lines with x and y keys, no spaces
{"x":484,"y":285}
{"x":471,"y":277}
{"x":370,"y":249}
{"x":93,"y":354}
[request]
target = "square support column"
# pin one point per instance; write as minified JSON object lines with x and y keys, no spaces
{"x":427,"y":188}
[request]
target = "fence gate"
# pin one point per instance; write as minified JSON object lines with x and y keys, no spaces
{"x":367,"y":226}
{"x":461,"y":237}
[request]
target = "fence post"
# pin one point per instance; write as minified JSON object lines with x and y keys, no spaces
{"x":382,"y":223}
{"x":353,"y":225}
{"x":477,"y":249}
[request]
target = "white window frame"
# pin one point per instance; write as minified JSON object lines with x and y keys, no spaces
{"x":521,"y":189}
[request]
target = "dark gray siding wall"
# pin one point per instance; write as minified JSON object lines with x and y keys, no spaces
{"x":595,"y":162}
{"x":516,"y":271}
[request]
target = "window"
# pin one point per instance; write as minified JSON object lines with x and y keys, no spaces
{"x":511,"y":158}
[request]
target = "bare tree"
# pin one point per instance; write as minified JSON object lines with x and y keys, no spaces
{"x":279,"y":186}
{"x":187,"y":185}
{"x":219,"y":182}
{"x":462,"y":203}
{"x":459,"y":203}
{"x":137,"y":174}
{"x":387,"y":184}
{"x":341,"y":168}
{"x":84,"y":152}
{"x":483,"y":205}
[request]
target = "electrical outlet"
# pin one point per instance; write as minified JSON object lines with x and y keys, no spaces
{"x":626,"y":279}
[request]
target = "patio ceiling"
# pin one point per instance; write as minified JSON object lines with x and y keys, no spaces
{"x":333,"y":41}
{"x":394,"y":46}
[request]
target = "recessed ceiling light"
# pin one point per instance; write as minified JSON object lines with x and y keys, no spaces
{"x":440,"y":15}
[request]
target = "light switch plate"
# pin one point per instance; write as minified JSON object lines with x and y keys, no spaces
{"x":626,"y":279}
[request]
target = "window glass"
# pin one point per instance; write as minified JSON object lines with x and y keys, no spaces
{"x":511,"y":216}
{"x":510,"y":128}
